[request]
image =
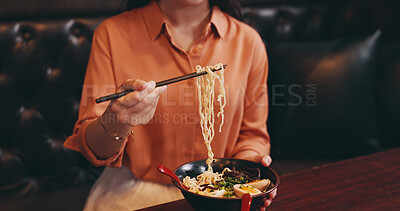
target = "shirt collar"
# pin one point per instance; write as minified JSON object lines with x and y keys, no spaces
{"x":153,"y":19}
{"x":155,"y":22}
{"x":220,"y":21}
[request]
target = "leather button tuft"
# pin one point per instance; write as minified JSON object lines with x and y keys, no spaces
{"x":76,"y":31}
{"x":29,"y":114}
{"x":79,"y":29}
{"x":25,"y":33}
{"x":55,"y":143}
{"x":53,"y":73}
{"x":4,"y":78}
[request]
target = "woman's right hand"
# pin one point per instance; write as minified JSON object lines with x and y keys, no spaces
{"x":135,"y":108}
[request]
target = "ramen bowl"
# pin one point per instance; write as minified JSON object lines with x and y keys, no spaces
{"x":208,"y":203}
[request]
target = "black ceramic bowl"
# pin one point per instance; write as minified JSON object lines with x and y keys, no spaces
{"x":207,"y":203}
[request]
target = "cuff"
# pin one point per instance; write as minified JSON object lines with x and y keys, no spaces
{"x":77,"y":142}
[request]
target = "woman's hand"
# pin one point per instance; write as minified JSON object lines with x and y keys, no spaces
{"x":135,"y":108}
{"x":138,"y":107}
{"x":265,"y":160}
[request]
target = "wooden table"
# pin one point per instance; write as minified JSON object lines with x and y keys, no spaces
{"x":369,"y":182}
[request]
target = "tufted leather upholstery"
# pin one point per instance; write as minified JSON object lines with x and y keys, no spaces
{"x":323,"y":99}
{"x":333,"y":79}
{"x":388,"y":94}
{"x":327,"y":53}
{"x":41,"y":73}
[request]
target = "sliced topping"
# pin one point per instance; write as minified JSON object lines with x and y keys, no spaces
{"x":241,"y":189}
{"x":217,"y":193}
{"x":260,"y":184}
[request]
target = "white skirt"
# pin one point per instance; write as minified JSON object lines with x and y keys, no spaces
{"x":118,"y":189}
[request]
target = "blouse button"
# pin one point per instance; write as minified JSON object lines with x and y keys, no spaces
{"x":196,"y":51}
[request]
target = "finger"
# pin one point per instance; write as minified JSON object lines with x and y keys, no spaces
{"x":143,"y":116}
{"x":272,"y":194}
{"x":267,"y":202}
{"x":137,"y":85}
{"x":254,"y":158}
{"x":262,"y":208}
{"x":150,"y":113}
{"x":265,"y":160}
{"x":132,"y":98}
{"x":147,"y":104}
{"x":151,"y":99}
{"x":136,"y":97}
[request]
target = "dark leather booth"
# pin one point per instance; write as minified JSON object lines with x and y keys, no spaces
{"x":334,"y":84}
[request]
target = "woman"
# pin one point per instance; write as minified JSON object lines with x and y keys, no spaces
{"x":152,"y":126}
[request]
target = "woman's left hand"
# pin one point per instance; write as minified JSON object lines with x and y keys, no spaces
{"x":265,"y":160}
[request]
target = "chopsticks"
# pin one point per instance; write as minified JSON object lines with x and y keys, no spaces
{"x":158,"y":84}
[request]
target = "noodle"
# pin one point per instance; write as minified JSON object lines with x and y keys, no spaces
{"x":205,"y":88}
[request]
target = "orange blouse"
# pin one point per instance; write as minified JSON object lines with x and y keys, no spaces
{"x":137,"y":45}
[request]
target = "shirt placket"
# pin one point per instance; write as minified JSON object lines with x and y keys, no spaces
{"x":193,"y":56}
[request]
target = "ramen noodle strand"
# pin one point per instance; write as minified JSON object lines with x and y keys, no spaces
{"x":206,"y":94}
{"x":205,"y":88}
{"x":221,"y":97}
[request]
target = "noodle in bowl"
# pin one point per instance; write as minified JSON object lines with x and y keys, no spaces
{"x":208,"y":189}
{"x":204,"y":202}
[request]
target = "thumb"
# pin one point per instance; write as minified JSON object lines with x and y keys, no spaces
{"x":161,"y":90}
{"x":265,"y":160}
{"x":137,"y":85}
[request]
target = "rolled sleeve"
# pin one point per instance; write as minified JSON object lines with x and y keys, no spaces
{"x":99,"y":81}
{"x":77,"y":142}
